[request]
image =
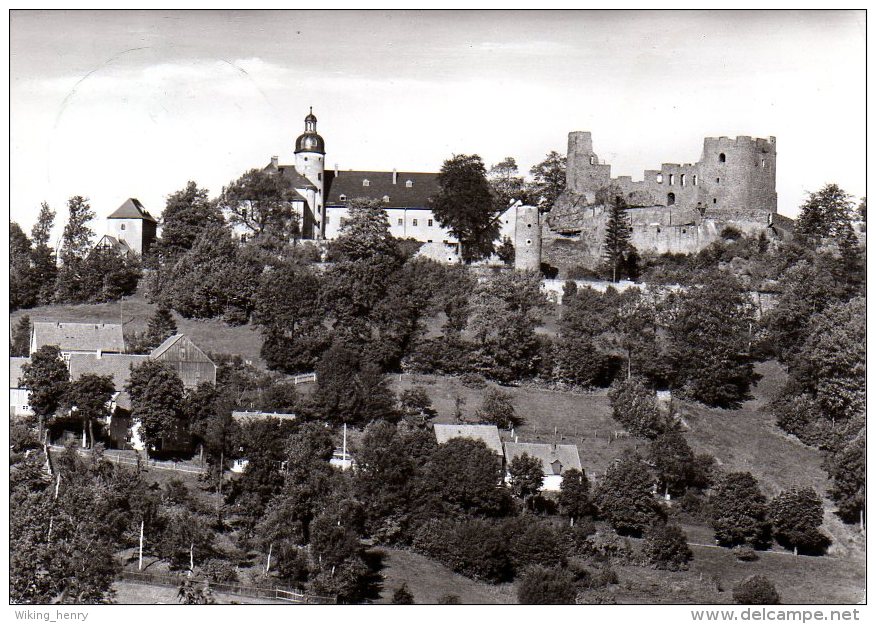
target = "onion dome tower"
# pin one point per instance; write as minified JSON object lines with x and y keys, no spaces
{"x":310,"y":162}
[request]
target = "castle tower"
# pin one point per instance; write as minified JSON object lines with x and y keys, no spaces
{"x":584,"y":172}
{"x":527,"y":239}
{"x":738,"y":174}
{"x":133,"y":225}
{"x":310,"y":162}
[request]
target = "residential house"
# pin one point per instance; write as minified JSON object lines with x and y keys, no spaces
{"x":95,"y":338}
{"x":19,"y":401}
{"x":555,"y":460}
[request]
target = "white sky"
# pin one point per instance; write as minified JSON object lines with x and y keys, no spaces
{"x":113,"y":105}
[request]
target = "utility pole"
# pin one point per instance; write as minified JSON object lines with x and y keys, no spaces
{"x":140,"y":561}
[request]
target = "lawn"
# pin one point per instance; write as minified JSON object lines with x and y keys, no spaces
{"x":429,"y":580}
{"x":211,"y":335}
{"x":137,"y":593}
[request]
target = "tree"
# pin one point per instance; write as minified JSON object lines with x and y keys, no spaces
{"x":23,"y":292}
{"x":403,"y":595}
{"x":666,"y":547}
{"x":507,"y":185}
{"x":617,"y":236}
{"x":625,"y":499}
{"x":76,"y":239}
{"x":635,"y":407}
{"x":710,"y":341}
{"x":574,"y":498}
{"x":187,"y":213}
{"x":847,"y":471}
{"x":45,"y":268}
{"x":497,"y":409}
{"x":156,"y":401}
{"x":756,"y":590}
{"x":739,"y":511}
{"x":526,"y":476}
{"x":46,"y":378}
{"x":90,"y":396}
{"x":105,"y":274}
{"x":364,"y":234}
{"x":465,"y":205}
{"x":416,"y":405}
{"x":549,"y":180}
{"x":160,"y":327}
{"x":824,"y":213}
{"x":795,"y":515}
{"x":546,"y":586}
{"x":464,"y":475}
{"x":675,"y":463}
{"x":21,"y":338}
{"x":262,"y":202}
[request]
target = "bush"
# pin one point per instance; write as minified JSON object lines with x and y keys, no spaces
{"x":498,"y":409}
{"x":745,"y":553}
{"x":219,"y":571}
{"x":666,"y":547}
{"x":546,"y":586}
{"x":449,"y":599}
{"x":756,"y":590}
{"x":403,"y":595}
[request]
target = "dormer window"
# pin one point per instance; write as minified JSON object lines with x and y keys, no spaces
{"x":366,"y":183}
{"x":343,"y":198}
{"x":409,"y":183}
{"x":386,"y":199}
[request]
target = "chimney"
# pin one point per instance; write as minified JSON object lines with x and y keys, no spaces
{"x":394,"y":177}
{"x":336,"y":170}
{"x":275,"y":160}
{"x":99,"y":354}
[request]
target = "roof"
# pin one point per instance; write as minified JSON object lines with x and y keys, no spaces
{"x":350,"y":185}
{"x":158,"y":351}
{"x":15,"y":364}
{"x":296,"y":180}
{"x":79,"y":336}
{"x":131,"y":208}
{"x":488,"y":434}
{"x":245,"y":415}
{"x":114,"y":243}
{"x":118,"y":366}
{"x":549,"y":454}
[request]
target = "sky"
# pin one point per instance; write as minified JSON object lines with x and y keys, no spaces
{"x":111,"y":105}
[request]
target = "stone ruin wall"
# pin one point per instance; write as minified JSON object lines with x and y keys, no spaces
{"x":733,"y":184}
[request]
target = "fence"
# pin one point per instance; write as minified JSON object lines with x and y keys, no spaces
{"x":304,"y":378}
{"x":252,"y":591}
{"x":125,"y":458}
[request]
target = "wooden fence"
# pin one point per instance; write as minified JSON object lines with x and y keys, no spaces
{"x":304,"y":378}
{"x":252,"y":591}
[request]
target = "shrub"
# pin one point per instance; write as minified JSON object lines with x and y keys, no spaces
{"x":739,"y":511}
{"x":756,"y":590}
{"x":635,"y":407}
{"x":745,"y":553}
{"x":546,"y":586}
{"x":449,"y":599}
{"x":219,"y":571}
{"x":498,"y":409}
{"x":403,"y":595}
{"x":666,"y":547}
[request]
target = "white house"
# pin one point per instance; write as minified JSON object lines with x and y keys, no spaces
{"x":555,"y":460}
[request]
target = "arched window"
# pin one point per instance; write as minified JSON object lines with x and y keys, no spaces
{"x":682,"y":180}
{"x":670,"y":199}
{"x":722,"y":157}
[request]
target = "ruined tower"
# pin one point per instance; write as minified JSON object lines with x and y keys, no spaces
{"x":527,"y":239}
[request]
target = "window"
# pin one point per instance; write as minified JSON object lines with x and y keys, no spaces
{"x":326,"y":220}
{"x":722,"y":157}
{"x":671,"y":179}
{"x":401,"y":222}
{"x":409,"y":183}
{"x":670,"y":199}
{"x":319,"y":177}
{"x":763,"y":163}
{"x":682,"y":180}
{"x":593,"y":160}
{"x":430,"y":223}
{"x":366,"y":183}
{"x":528,"y":241}
{"x":386,"y":199}
{"x":343,"y":198}
{"x":123,"y":226}
{"x":714,"y":200}
{"x":695,"y":180}
{"x":659,"y":178}
{"x":717,"y":180}
{"x":415,"y":223}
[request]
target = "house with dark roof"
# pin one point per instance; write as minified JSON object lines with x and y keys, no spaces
{"x":94,"y":338}
{"x":132,"y":225}
{"x":555,"y":460}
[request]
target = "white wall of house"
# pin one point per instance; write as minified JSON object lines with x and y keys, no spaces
{"x":19,"y":402}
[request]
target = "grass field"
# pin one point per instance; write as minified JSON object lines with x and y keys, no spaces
{"x":137,"y":593}
{"x":211,"y":335}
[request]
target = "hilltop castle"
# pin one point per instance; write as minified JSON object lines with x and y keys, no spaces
{"x":679,"y":208}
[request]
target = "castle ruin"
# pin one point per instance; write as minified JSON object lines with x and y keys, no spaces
{"x":679,"y":208}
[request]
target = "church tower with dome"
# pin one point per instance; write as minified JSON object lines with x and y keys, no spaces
{"x":310,"y":163}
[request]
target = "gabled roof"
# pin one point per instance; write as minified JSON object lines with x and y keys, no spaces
{"x":113,"y":243}
{"x":555,"y":458}
{"x":131,"y":208}
{"x":15,"y":364}
{"x":105,"y":337}
{"x":488,"y":434}
{"x":118,"y":366}
{"x":164,"y":346}
{"x":350,"y":185}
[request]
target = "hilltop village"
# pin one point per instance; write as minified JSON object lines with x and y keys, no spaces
{"x":462,"y":386}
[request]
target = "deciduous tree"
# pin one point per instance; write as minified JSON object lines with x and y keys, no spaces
{"x":739,"y":511}
{"x":549,"y":180}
